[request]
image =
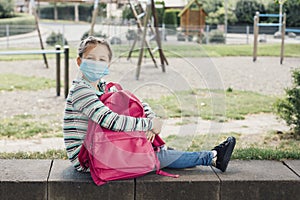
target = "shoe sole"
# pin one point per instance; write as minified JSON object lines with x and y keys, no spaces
{"x":228,"y":153}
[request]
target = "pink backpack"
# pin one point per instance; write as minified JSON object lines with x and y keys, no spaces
{"x":114,"y":155}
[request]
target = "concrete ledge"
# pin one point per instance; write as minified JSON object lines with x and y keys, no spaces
{"x":66,"y":182}
{"x":194,"y":183}
{"x":259,"y":180}
{"x":57,"y":179}
{"x":24,"y":179}
{"x":294,"y":165}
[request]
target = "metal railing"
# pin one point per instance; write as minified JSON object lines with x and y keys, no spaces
{"x":58,"y":52}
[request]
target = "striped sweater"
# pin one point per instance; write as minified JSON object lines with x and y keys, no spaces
{"x":83,"y":104}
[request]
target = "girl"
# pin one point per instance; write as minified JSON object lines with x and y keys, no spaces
{"x":82,"y":104}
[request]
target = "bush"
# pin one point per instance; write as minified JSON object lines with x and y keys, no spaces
{"x":6,"y":8}
{"x":132,"y":35}
{"x":98,"y":34}
{"x":288,"y":108}
{"x":66,"y":11}
{"x":20,"y":24}
{"x":170,"y":19}
{"x":160,"y":10}
{"x":215,"y":36}
{"x":19,"y":19}
{"x":56,"y":39}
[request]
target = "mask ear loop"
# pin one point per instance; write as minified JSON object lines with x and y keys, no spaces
{"x":79,"y":74}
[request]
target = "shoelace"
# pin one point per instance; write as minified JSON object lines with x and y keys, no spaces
{"x":221,"y":145}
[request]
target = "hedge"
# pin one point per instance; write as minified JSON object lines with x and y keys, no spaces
{"x":66,"y":12}
{"x":20,"y":24}
{"x":171,"y":19}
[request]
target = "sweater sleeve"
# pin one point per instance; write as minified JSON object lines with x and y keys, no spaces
{"x":148,"y":110}
{"x":86,"y":101}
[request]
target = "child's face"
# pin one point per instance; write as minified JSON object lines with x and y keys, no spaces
{"x":97,"y":52}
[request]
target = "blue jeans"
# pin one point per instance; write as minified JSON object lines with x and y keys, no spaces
{"x":183,"y":159}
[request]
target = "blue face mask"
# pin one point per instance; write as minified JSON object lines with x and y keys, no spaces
{"x":94,"y":70}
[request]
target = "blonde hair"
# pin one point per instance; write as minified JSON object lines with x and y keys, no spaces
{"x":93,"y":40}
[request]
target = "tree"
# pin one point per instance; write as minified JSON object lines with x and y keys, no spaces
{"x":216,"y":12}
{"x":245,"y":10}
{"x":6,"y":8}
{"x":211,"y":6}
{"x":127,"y":13}
{"x":218,"y":17}
{"x":292,"y":10}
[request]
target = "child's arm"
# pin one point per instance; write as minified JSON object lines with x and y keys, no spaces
{"x":148,"y":110}
{"x":86,"y":101}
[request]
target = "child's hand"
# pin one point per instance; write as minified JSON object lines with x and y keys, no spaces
{"x":150,"y":136}
{"x":156,"y":125}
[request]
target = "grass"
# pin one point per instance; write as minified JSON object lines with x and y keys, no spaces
{"x":288,"y":147}
{"x":218,"y":50}
{"x":250,"y":153}
{"x":182,"y":50}
{"x":271,"y":146}
{"x":291,"y":50}
{"x":229,"y":105}
{"x":50,"y":154}
{"x":214,"y":104}
{"x":25,"y":126}
{"x":12,"y":82}
{"x":265,"y":154}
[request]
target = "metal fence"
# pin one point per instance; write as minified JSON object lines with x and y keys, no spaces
{"x":121,"y":34}
{"x":10,"y":30}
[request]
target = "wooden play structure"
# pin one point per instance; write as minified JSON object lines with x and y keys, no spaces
{"x":32,"y":4}
{"x":256,"y":26}
{"x":192,"y":18}
{"x":33,"y":10}
{"x":144,"y":22}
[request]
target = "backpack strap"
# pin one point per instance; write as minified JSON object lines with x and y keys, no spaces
{"x":158,"y":141}
{"x":161,"y":172}
{"x":112,"y":84}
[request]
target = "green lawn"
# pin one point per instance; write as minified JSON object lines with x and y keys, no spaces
{"x":219,"y":50}
{"x":26,"y":126}
{"x":184,"y":50}
{"x":217,"y":105}
{"x":12,"y":82}
{"x":287,"y":146}
{"x":290,"y":50}
{"x":214,"y":104}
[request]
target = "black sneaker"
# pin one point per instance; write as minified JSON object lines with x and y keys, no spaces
{"x":224,"y":151}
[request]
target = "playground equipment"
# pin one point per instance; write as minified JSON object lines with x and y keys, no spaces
{"x":292,"y":30}
{"x":256,"y":26}
{"x":32,"y":4}
{"x":146,"y":23}
{"x":57,"y":52}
